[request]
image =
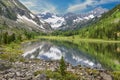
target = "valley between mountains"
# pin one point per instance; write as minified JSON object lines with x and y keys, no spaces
{"x":51,"y":46}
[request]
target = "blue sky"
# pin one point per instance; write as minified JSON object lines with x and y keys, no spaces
{"x":64,"y":6}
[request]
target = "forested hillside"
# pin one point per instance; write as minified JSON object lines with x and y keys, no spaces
{"x":108,"y":27}
{"x":8,"y":35}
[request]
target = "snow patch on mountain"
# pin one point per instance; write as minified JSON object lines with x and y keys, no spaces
{"x":15,"y":3}
{"x":77,"y":20}
{"x":91,"y":16}
{"x":70,"y":19}
{"x":42,"y":21}
{"x":32,"y":15}
{"x":25,"y":19}
{"x":54,"y":20}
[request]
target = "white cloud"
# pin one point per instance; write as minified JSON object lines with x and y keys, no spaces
{"x":80,"y":6}
{"x":47,"y":7}
{"x":105,"y":1}
{"x":29,"y":4}
{"x":37,"y":6}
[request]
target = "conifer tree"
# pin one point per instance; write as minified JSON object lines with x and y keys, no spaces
{"x":62,"y":67}
{"x":5,"y":37}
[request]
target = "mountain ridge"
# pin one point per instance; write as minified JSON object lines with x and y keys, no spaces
{"x":16,"y":11}
{"x":108,"y":26}
{"x":71,"y":20}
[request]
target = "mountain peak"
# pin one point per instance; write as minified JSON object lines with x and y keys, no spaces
{"x":53,"y":19}
{"x":70,"y":19}
{"x":17,"y":12}
{"x":45,"y":15}
{"x":98,"y":11}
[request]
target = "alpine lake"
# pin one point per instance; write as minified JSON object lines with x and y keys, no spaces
{"x":86,"y":54}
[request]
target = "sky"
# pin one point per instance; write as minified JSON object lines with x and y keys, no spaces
{"x":65,"y":6}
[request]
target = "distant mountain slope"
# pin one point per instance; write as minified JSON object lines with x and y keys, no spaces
{"x":54,"y":20}
{"x":14,"y":14}
{"x":108,"y":27}
{"x":76,"y":21}
{"x":71,"y":20}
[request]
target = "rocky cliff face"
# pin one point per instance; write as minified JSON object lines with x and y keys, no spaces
{"x":18,"y":13}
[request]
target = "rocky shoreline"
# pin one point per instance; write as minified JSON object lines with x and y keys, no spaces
{"x":25,"y":70}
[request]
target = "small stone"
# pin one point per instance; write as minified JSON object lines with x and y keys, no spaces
{"x":11,"y":79}
{"x":41,"y":77}
{"x":105,"y":76}
{"x":17,"y":73}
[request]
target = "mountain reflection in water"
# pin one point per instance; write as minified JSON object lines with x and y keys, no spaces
{"x":50,"y":51}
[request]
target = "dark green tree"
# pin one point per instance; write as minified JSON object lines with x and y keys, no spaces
{"x":19,"y":37}
{"x":0,"y":38}
{"x":13,"y":37}
{"x":63,"y":67}
{"x":5,"y":37}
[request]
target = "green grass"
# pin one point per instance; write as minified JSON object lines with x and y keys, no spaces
{"x":11,"y":52}
{"x":116,"y":75}
{"x":56,"y":75}
{"x":77,"y":39}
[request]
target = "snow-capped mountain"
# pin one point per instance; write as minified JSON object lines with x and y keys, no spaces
{"x":71,"y":20}
{"x":98,"y":11}
{"x":54,"y":20}
{"x":15,"y":14}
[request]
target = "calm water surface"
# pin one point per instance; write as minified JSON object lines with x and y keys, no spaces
{"x":94,"y":55}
